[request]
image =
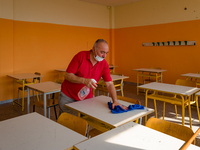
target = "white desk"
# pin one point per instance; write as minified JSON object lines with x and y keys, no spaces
{"x":132,"y":136}
{"x":36,"y":132}
{"x":22,"y":77}
{"x":182,"y":91}
{"x":118,"y":77}
{"x":141,"y":72}
{"x":97,"y":108}
{"x":111,"y":67}
{"x":191,"y":75}
{"x":45,"y":88}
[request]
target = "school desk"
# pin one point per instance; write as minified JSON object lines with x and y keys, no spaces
{"x":184,"y":92}
{"x":36,"y":132}
{"x":95,"y":110}
{"x":132,"y":136}
{"x":44,"y":88}
{"x":145,"y":72}
{"x":21,"y":78}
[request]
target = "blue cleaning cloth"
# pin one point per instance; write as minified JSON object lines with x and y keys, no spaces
{"x":119,"y":109}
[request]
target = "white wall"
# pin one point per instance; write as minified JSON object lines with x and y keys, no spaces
{"x":6,"y":9}
{"x":65,"y":12}
{"x":150,"y":12}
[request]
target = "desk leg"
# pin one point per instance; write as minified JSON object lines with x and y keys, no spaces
{"x":189,"y":107}
{"x":23,"y":82}
{"x":196,"y":98}
{"x":45,"y":112}
{"x":146,"y":104}
{"x":161,"y":78}
{"x":28,"y":100}
{"x":183,"y":111}
{"x":14,"y":91}
{"x":137,"y":82}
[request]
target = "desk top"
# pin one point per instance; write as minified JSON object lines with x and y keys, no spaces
{"x":118,"y":77}
{"x":21,"y":76}
{"x":132,"y":136}
{"x":110,"y":66}
{"x":170,"y":88}
{"x":149,"y":70}
{"x":64,"y":70}
{"x":61,"y":70}
{"x":191,"y":75}
{"x":36,"y":132}
{"x":97,"y":107}
{"x":198,"y":94}
{"x":45,"y":87}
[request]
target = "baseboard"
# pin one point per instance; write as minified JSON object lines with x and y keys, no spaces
{"x":6,"y":101}
{"x":10,"y":100}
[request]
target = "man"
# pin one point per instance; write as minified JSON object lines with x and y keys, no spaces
{"x":83,"y":68}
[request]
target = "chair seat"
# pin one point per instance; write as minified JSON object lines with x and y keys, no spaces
{"x":94,"y":132}
{"x":50,"y":103}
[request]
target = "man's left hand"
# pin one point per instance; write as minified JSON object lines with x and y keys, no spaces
{"x":116,"y":104}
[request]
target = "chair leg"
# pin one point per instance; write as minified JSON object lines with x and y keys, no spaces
{"x":18,"y":96}
{"x":176,"y":111}
{"x":155,"y":108}
{"x":48,"y":112}
{"x":197,"y":107}
{"x":55,"y":112}
{"x":163,"y":110}
{"x":33,"y":108}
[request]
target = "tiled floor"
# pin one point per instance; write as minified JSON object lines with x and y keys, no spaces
{"x":8,"y":111}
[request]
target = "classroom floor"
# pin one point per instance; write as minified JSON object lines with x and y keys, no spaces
{"x":8,"y":110}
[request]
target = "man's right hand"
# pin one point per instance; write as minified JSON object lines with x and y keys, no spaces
{"x":90,"y":83}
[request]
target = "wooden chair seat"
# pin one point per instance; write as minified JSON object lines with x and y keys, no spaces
{"x":73,"y":122}
{"x":178,"y":131}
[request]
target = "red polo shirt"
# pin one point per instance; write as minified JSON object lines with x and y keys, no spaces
{"x":81,"y":66}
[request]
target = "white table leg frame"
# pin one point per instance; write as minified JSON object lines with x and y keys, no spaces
{"x":173,"y":100}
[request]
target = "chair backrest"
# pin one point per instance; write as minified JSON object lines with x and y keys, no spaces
{"x":111,"y":68}
{"x":186,"y":82}
{"x":155,"y":68}
{"x":37,"y":79}
{"x":186,"y":145}
{"x":60,"y":81}
{"x":73,"y":122}
{"x":134,"y":101}
{"x":179,"y":131}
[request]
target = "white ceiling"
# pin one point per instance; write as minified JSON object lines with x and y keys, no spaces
{"x":111,"y":2}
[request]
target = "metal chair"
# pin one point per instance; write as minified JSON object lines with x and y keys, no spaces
{"x":53,"y":102}
{"x":74,"y":123}
{"x":118,"y":85}
{"x":192,"y":100}
{"x":153,"y":79}
{"x":178,"y":131}
{"x":35,"y":80}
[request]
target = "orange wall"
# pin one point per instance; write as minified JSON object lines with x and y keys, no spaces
{"x":42,"y":47}
{"x":6,"y":58}
{"x":130,"y":54}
